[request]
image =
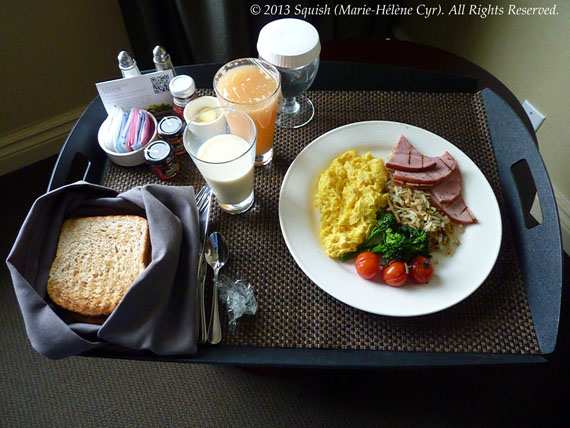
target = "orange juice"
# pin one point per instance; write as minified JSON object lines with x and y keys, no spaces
{"x":255,"y":90}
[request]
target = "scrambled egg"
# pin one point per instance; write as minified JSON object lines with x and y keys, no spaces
{"x":349,"y":196}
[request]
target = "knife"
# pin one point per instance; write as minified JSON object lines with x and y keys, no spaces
{"x":203,"y":219}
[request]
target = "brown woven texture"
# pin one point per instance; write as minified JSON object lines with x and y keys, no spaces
{"x":293,"y":311}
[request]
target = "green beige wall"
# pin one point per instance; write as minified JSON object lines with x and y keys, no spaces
{"x":529,"y":54}
{"x":52,"y":53}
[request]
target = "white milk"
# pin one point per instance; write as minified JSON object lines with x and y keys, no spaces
{"x":231,"y":182}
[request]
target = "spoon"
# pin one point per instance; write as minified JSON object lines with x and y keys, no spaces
{"x":216,"y":254}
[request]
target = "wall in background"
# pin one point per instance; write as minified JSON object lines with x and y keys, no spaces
{"x":530,"y":55}
{"x":52,"y":54}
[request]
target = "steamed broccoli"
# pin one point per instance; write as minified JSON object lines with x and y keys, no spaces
{"x":394,"y":241}
{"x":385,"y":222}
{"x":403,"y":243}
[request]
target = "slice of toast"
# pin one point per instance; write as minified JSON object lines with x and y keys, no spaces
{"x":97,"y":260}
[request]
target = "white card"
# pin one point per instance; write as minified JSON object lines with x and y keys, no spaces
{"x":149,"y":92}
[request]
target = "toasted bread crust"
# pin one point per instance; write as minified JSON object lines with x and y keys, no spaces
{"x":97,"y":260}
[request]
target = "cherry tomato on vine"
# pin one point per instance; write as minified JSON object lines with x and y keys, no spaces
{"x":421,"y":270}
{"x":367,"y":265}
{"x":395,"y":274}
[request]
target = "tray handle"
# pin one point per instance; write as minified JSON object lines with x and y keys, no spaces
{"x":540,"y":245}
{"x":81,"y":158}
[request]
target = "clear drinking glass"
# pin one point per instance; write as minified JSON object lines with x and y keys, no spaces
{"x":293,"y":46}
{"x":221,"y":141}
{"x":254,"y":86}
{"x":297,"y":110}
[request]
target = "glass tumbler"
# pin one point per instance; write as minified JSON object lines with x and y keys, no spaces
{"x":254,"y":86}
{"x":221,"y":142}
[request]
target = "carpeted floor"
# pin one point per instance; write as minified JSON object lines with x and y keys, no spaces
{"x":85,"y":392}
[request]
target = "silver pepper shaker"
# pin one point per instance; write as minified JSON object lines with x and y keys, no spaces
{"x":162,"y":60}
{"x":128,"y":65}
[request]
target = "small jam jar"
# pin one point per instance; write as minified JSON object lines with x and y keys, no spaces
{"x":183,"y":90}
{"x":171,"y":129}
{"x":162,"y":160}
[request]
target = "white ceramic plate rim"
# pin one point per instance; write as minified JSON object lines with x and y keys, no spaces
{"x":457,"y":276}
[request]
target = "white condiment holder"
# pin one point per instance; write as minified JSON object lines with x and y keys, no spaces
{"x":133,"y":158}
{"x":197,"y":104}
{"x":203,"y":129}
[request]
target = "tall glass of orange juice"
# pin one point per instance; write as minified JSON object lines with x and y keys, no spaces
{"x":254,"y":86}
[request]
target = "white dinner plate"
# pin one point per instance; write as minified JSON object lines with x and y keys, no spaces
{"x":456,"y":276}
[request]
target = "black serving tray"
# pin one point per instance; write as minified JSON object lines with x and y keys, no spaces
{"x":520,"y":167}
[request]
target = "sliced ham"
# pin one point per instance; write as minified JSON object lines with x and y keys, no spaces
{"x":449,"y":189}
{"x":413,"y":185}
{"x":444,"y":166}
{"x":407,"y":158}
{"x":457,"y":211}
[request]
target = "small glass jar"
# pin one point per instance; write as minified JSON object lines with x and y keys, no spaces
{"x":171,"y":129}
{"x":159,"y":155}
{"x":183,"y":90}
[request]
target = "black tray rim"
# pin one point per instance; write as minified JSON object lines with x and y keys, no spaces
{"x":504,"y":126}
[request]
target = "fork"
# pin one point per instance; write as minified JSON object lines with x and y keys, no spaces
{"x":203,"y":198}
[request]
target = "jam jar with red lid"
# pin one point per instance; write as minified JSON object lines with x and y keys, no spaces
{"x":183,"y":90}
{"x":160,"y":156}
{"x":171,"y":129}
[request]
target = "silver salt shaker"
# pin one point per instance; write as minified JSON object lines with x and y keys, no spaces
{"x":161,"y":59}
{"x":128,"y":65}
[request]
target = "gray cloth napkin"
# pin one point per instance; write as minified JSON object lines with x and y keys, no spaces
{"x":158,"y":312}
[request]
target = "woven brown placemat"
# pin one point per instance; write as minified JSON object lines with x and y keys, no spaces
{"x":293,"y":311}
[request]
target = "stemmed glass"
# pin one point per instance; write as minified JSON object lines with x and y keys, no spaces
{"x":297,"y":110}
{"x":293,"y":47}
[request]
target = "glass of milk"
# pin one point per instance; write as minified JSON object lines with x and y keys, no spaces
{"x":221,"y":142}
